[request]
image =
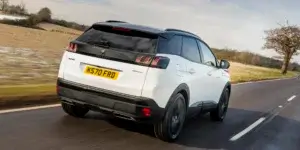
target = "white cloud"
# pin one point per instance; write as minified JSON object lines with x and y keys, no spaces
{"x":219,"y":24}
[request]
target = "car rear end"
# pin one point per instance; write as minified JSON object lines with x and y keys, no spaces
{"x":105,"y":69}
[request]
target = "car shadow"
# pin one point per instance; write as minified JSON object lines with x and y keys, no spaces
{"x":201,"y":132}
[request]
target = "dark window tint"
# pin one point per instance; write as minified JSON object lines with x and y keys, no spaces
{"x":170,"y":46}
{"x":190,"y":49}
{"x":208,"y":56}
{"x":118,"y":38}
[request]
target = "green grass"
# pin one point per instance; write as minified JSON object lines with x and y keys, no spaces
{"x":27,"y":90}
{"x":243,"y":73}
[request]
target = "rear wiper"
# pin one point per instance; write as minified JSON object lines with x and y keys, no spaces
{"x":104,"y":44}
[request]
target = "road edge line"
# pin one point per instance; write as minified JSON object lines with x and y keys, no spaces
{"x":28,"y":108}
{"x":263,"y":81}
{"x":248,"y":129}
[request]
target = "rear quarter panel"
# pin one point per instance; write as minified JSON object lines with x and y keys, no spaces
{"x":161,"y":83}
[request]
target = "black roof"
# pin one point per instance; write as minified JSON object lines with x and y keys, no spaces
{"x":131,"y":26}
{"x":123,"y":24}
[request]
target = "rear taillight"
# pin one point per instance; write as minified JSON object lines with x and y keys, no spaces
{"x":143,"y":59}
{"x":72,"y":47}
{"x":153,"y":61}
{"x":160,"y":62}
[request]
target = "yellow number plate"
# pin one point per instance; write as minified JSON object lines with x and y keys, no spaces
{"x":101,"y":72}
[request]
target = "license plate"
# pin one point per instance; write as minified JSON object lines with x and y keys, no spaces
{"x":101,"y":72}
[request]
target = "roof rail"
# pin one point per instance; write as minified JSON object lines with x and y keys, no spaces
{"x":116,"y":21}
{"x":170,"y":29}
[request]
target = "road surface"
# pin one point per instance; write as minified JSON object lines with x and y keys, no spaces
{"x":262,"y":115}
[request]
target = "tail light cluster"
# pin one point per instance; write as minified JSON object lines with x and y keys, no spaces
{"x":72,"y":47}
{"x":153,"y":61}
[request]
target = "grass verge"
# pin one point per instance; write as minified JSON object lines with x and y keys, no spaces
{"x":27,"y":95}
{"x":244,"y":73}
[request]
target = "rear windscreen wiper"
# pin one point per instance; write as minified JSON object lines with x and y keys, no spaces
{"x":104,"y":44}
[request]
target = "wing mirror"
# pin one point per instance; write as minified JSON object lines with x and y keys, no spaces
{"x":224,"y":64}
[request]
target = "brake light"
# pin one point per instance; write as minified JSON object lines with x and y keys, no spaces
{"x":146,"y":112}
{"x":156,"y":62}
{"x":142,"y":59}
{"x":120,"y":29}
{"x":72,"y":47}
{"x":160,"y":62}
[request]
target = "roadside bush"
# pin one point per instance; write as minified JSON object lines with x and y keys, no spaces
{"x":45,"y":14}
{"x":30,"y":22}
{"x":67,"y":24}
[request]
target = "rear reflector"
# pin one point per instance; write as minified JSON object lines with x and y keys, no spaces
{"x":146,"y":112}
{"x":72,"y":47}
{"x":155,"y":62}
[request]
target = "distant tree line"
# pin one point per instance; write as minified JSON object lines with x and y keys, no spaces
{"x":252,"y":59}
{"x":44,"y":15}
{"x":6,"y":8}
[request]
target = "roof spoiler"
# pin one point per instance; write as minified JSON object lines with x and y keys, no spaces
{"x":115,"y":21}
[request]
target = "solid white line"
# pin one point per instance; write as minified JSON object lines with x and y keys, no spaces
{"x":252,"y":126}
{"x":28,"y":108}
{"x":263,"y":81}
{"x":291,"y":98}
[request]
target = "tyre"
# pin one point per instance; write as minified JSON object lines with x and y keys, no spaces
{"x":75,"y":111}
{"x":219,"y":113}
{"x":169,"y":128}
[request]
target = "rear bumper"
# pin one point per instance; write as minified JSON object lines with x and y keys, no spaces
{"x":120,"y":105}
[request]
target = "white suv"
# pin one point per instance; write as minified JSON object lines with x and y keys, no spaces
{"x":143,"y":74}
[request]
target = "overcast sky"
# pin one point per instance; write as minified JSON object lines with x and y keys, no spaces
{"x":237,"y":24}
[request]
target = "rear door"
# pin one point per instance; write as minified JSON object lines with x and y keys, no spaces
{"x":197,"y":78}
{"x":214,"y":73}
{"x":106,"y":57}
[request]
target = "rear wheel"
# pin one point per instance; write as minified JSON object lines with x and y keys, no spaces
{"x":219,"y":113}
{"x":170,"y":127}
{"x":75,"y":111}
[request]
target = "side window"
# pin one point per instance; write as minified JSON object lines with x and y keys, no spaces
{"x":172,"y":46}
{"x":208,"y":56}
{"x":190,"y":49}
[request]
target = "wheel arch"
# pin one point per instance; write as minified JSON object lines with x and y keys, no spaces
{"x":228,"y":85}
{"x":182,"y":89}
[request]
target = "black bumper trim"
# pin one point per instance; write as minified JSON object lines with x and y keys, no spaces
{"x":108,"y":101}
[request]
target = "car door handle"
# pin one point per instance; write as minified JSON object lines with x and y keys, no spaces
{"x":192,"y":71}
{"x":209,"y":74}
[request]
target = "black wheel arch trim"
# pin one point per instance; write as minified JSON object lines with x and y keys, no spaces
{"x":228,"y":85}
{"x":182,"y":87}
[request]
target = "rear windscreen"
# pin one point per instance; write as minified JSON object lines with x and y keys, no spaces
{"x":120,"y":38}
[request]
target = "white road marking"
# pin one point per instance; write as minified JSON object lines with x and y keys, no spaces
{"x":28,"y":108}
{"x":245,"y":131}
{"x":291,"y":98}
{"x":263,"y":81}
{"x":280,"y":106}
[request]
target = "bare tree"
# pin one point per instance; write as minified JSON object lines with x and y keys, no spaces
{"x":285,"y":40}
{"x":3,"y":4}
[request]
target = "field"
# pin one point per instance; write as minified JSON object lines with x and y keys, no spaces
{"x":30,"y":59}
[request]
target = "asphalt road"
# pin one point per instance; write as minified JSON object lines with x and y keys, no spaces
{"x":263,"y":116}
